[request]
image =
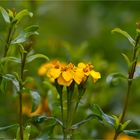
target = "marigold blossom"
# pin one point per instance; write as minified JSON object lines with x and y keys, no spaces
{"x":65,"y":74}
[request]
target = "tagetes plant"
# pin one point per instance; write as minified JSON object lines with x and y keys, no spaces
{"x":68,"y":75}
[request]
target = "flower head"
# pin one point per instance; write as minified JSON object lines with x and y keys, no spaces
{"x":65,"y":74}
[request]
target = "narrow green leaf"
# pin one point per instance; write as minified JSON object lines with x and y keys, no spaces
{"x":27,"y":131}
{"x":101,"y":116}
{"x":125,"y":124}
{"x":77,"y":125}
{"x":8,"y":127}
{"x":137,"y":71}
{"x":18,"y":134}
{"x":5,"y":15}
{"x":11,"y":58}
{"x":36,"y":99}
{"x":124,"y":33}
{"x":38,"y":118}
{"x":113,"y":78}
{"x":13,"y":79}
{"x":127,"y":60}
{"x":31,"y":28}
{"x":21,"y":14}
{"x":35,"y":56}
{"x":19,"y":39}
{"x":134,"y":133}
{"x":3,"y":85}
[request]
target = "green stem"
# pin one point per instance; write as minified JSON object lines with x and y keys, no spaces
{"x":20,"y":116}
{"x":9,"y":39}
{"x":23,"y":60}
{"x":130,"y":80}
{"x":62,"y":114}
{"x":69,"y":116}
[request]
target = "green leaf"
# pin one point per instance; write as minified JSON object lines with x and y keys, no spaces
{"x":127,"y":60}
{"x":5,"y":15}
{"x":42,"y":118}
{"x":19,"y":39}
{"x":137,"y":71}
{"x":18,"y":134}
{"x":77,"y":125}
{"x":36,"y":99}
{"x":13,"y":79}
{"x":113,"y":78}
{"x":31,"y":28}
{"x":35,"y":56}
{"x":124,"y":33}
{"x":11,"y":58}
{"x":101,"y":116}
{"x":3,"y":85}
{"x":21,"y":14}
{"x":38,"y":118}
{"x":8,"y":127}
{"x":24,"y":35}
{"x":134,"y":133}
{"x":125,"y":124}
{"x":27,"y":131}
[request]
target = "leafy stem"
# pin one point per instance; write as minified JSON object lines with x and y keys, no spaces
{"x":9,"y":38}
{"x":23,"y":60}
{"x":130,"y":80}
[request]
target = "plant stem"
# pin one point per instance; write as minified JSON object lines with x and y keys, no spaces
{"x":62,"y":114}
{"x":9,"y":39}
{"x":130,"y":81}
{"x":20,"y":116}
{"x":23,"y":60}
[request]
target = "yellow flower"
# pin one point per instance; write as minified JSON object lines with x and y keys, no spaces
{"x":83,"y":71}
{"x":66,"y":76}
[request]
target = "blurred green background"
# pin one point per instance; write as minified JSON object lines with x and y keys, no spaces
{"x":75,"y":31}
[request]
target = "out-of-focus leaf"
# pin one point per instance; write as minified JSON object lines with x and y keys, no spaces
{"x":125,"y":124}
{"x":77,"y":125}
{"x":113,"y":78}
{"x":19,"y":39}
{"x":3,"y":85}
{"x":31,"y":28}
{"x":27,"y":131}
{"x":42,"y":118}
{"x":124,"y":33}
{"x":47,"y":130}
{"x":35,"y":56}
{"x":11,"y":58}
{"x":137,"y":71}
{"x":36,"y":99}
{"x":8,"y":127}
{"x":38,"y":119}
{"x":134,"y":133}
{"x":13,"y":79}
{"x":101,"y":116}
{"x":126,"y":59}
{"x":18,"y":134}
{"x":21,"y":14}
{"x":5,"y":15}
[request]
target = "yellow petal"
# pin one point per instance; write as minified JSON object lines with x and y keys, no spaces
{"x":63,"y":82}
{"x":95,"y":75}
{"x":67,"y":75}
{"x":78,"y":76}
{"x":54,"y":73}
{"x":81,"y":65}
{"x":42,"y":71}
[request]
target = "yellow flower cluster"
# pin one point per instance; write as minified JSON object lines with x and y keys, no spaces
{"x":65,"y":74}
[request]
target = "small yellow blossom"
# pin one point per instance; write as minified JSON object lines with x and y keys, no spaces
{"x":83,"y":71}
{"x":66,"y":74}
